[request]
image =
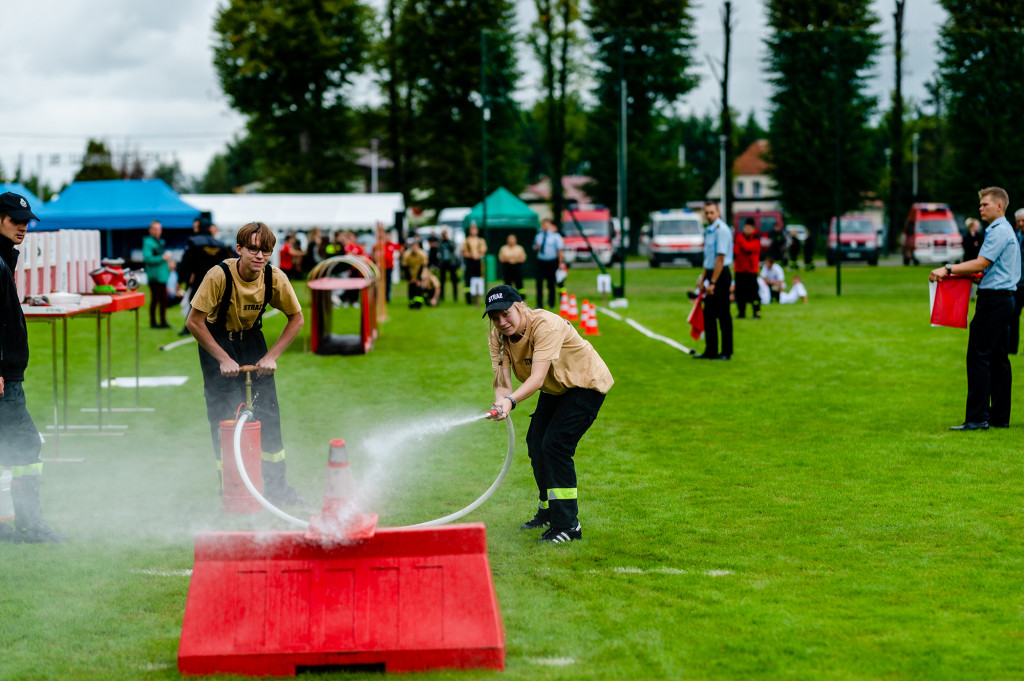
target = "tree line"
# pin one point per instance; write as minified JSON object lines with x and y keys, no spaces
{"x":443,"y":74}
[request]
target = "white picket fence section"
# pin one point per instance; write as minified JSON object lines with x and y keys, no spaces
{"x":57,"y":261}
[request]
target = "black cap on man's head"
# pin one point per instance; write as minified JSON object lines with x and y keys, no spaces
{"x":501,"y":298}
{"x":16,"y":206}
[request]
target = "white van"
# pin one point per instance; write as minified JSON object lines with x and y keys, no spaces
{"x":671,"y":235}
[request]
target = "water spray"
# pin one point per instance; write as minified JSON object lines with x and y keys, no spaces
{"x":247,"y":414}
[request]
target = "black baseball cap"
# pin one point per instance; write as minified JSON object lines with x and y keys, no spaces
{"x":16,"y":206}
{"x":501,"y":298}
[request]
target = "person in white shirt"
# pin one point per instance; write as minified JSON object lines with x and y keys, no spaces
{"x":797,"y":292}
{"x":773,"y":277}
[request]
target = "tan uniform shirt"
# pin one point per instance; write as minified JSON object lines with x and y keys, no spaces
{"x":547,"y":337}
{"x":474,"y":247}
{"x":513,"y":255}
{"x":246,"y":296}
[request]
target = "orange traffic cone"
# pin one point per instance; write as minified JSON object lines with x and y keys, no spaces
{"x":339,"y":517}
{"x":584,"y":314}
{"x":563,"y":308}
{"x":590,"y":329}
{"x":574,"y":312}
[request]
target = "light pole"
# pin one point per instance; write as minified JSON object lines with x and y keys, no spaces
{"x":374,"y":184}
{"x":917,"y":136}
{"x":722,"y":139}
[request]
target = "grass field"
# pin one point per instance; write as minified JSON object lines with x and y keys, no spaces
{"x":801,"y":512}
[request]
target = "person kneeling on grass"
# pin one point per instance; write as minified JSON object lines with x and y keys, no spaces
{"x":546,"y":353}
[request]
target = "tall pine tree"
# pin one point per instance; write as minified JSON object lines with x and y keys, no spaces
{"x":438,"y":96}
{"x":648,"y":44}
{"x":820,"y":56}
{"x":982,"y":74}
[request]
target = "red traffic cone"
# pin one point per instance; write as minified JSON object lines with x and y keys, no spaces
{"x":563,"y":308}
{"x":584,"y":314}
{"x":574,"y":312}
{"x":339,"y":517}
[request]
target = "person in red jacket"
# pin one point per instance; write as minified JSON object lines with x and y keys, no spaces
{"x":747,"y":256}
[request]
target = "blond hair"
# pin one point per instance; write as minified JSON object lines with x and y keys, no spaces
{"x":997,"y":193}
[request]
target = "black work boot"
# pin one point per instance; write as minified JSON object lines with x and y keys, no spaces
{"x":7,"y":533}
{"x":542,"y":519}
{"x":275,"y":489}
{"x":29,"y":527}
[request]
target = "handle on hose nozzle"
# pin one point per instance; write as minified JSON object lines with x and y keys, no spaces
{"x":248,"y":369}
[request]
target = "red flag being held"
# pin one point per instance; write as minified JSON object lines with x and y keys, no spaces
{"x":696,"y":318}
{"x":951,"y":300}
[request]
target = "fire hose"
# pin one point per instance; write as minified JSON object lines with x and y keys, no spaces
{"x":247,"y":414}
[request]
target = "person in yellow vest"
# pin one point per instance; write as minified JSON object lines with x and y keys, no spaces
{"x":474,"y":248}
{"x":546,"y":354}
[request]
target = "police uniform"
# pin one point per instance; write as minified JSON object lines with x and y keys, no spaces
{"x":989,"y":376}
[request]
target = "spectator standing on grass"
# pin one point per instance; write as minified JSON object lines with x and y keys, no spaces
{"x":747,"y":256}
{"x":227,"y":320}
{"x":157,"y":263}
{"x":202,"y":252}
{"x":19,"y":439}
{"x":972,"y":239}
{"x":546,"y":354}
{"x":390,"y":249}
{"x":777,"y":243}
{"x":549,"y":246}
{"x":989,"y":376}
{"x":1018,"y":296}
{"x":474,"y":248}
{"x":512,"y":256}
{"x":448,"y":265}
{"x":291,"y":257}
{"x":714,"y":282}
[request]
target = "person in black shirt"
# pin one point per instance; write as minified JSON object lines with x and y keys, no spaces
{"x":972,"y":239}
{"x":19,"y":438}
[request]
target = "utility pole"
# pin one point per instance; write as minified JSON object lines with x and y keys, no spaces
{"x":896,"y":211}
{"x":483,"y":126}
{"x":725,"y":129}
{"x":839,"y":170}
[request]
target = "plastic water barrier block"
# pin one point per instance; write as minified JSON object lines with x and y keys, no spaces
{"x":410,"y":599}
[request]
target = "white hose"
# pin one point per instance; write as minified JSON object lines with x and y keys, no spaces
{"x":246,"y":415}
{"x":490,"y":490}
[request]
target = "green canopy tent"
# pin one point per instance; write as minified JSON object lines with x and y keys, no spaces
{"x":506,"y":214}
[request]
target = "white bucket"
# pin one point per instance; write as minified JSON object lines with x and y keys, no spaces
{"x":6,"y":505}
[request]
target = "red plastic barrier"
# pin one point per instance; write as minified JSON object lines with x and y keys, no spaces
{"x":410,"y":599}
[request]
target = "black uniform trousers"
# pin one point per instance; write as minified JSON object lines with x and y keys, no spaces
{"x":546,"y":270}
{"x":19,"y":439}
{"x":449,"y":272}
{"x":556,"y":427}
{"x":224,"y":394}
{"x":514,"y":275}
{"x":717,"y":317}
{"x":988,"y":368}
{"x":746,"y":292}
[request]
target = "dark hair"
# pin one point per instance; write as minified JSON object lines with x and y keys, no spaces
{"x":204,"y":225}
{"x":749,"y":221}
{"x":265,"y":238}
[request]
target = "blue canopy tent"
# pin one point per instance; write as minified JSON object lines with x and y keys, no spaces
{"x":123,"y":206}
{"x":21,"y":190}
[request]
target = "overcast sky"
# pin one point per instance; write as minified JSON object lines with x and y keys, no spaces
{"x":138,"y":74}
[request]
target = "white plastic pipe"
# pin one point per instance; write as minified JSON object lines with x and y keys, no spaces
{"x":243,"y":417}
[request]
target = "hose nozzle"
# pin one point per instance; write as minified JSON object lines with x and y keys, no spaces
{"x":493,"y":413}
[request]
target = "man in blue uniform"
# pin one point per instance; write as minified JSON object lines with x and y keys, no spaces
{"x":715,"y":281}
{"x":988,"y":367}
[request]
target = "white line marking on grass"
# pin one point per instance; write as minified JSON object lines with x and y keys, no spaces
{"x":662,"y":571}
{"x":164,"y":573}
{"x":157,"y":666}
{"x":647,"y":332}
{"x":178,"y":343}
{"x":554,"y":661}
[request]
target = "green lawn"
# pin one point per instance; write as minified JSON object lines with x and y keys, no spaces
{"x":801,"y":512}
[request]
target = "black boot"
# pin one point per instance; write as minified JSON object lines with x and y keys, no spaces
{"x":29,"y":527}
{"x":7,"y":533}
{"x":275,"y":489}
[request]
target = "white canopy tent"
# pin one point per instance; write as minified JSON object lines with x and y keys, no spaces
{"x":300,"y":212}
